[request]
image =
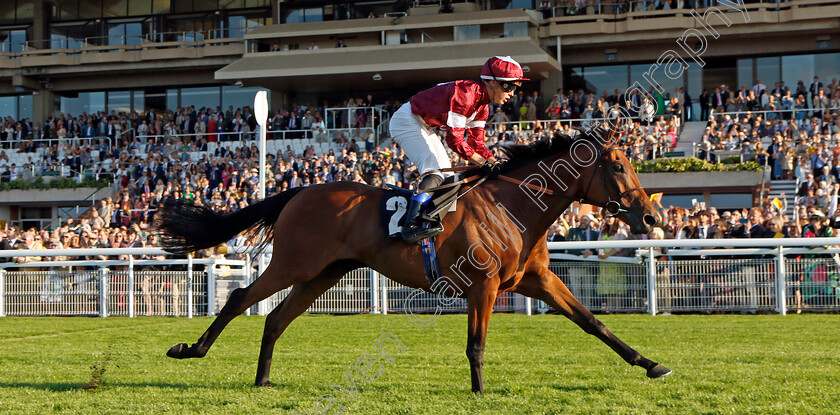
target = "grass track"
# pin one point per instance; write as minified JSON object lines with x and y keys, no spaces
{"x":534,"y":365}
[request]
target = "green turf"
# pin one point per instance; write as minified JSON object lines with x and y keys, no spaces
{"x":534,"y":365}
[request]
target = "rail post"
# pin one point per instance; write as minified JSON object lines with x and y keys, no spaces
{"x":131,"y":313}
{"x":2,"y":293}
{"x":651,"y":281}
{"x":248,"y":277}
{"x":189,"y":286}
{"x":211,"y":289}
{"x":529,"y":305}
{"x":262,"y":306}
{"x":781,"y":299}
{"x":374,"y":291}
{"x":103,"y":292}
{"x":383,"y":285}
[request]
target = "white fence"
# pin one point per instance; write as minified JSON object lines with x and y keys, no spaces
{"x":777,"y":278}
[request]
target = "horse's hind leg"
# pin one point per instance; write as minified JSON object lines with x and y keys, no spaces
{"x":271,"y":281}
{"x":303,"y":294}
{"x":546,"y":286}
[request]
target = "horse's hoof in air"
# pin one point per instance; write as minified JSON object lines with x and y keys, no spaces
{"x":177,"y":351}
{"x":658,"y":371}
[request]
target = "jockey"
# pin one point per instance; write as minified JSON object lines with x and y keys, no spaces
{"x":461,"y":107}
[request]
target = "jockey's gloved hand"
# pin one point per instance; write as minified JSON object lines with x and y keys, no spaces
{"x":490,"y":169}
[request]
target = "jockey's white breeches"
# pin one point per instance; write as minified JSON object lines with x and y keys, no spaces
{"x":421,"y":145}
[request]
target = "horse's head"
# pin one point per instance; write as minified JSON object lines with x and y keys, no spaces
{"x":615,"y":187}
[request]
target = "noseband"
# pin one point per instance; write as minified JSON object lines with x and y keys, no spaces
{"x":613,"y":207}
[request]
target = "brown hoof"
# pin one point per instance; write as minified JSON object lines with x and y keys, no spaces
{"x":658,"y":371}
{"x":178,"y":351}
{"x":263,"y":383}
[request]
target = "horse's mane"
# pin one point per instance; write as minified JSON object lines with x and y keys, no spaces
{"x":518,"y":155}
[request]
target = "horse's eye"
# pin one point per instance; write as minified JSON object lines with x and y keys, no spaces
{"x":618,"y":168}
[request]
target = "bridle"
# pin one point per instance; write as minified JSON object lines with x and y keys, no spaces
{"x":613,"y":207}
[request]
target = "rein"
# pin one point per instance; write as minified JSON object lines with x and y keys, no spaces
{"x":612,"y":206}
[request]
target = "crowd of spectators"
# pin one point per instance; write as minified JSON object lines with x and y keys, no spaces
{"x":155,"y":160}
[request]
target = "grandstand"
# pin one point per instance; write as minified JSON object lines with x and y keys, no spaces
{"x":153,"y":98}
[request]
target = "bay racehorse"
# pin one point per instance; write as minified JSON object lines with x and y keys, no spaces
{"x":322,"y":232}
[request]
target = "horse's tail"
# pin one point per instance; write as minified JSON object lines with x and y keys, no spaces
{"x":186,"y":227}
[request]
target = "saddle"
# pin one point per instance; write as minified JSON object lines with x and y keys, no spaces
{"x":393,"y":215}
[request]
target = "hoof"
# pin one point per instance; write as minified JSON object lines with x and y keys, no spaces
{"x":178,"y":351}
{"x":263,"y":383}
{"x":658,"y":371}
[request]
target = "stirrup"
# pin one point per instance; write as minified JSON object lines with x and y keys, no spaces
{"x":419,"y":232}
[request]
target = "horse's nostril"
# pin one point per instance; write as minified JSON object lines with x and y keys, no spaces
{"x":650,"y":220}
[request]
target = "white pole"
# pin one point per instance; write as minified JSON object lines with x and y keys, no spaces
{"x":189,"y":286}
{"x":651,"y":281}
{"x":781,"y":297}
{"x":131,"y":286}
{"x":261,"y":112}
{"x":103,"y":292}
{"x":2,"y":292}
{"x":383,"y":286}
{"x":374,"y":291}
{"x":211,"y":289}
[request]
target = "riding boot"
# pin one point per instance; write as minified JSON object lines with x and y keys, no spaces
{"x":416,"y":229}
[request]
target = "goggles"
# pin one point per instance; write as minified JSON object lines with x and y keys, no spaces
{"x":506,"y":86}
{"x":509,"y":86}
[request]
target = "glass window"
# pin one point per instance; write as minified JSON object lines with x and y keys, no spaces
{"x":12,"y":40}
{"x":521,"y":4}
{"x":119,"y":101}
{"x":732,"y":200}
{"x":239,"y":97}
{"x":694,"y":88}
{"x":58,"y":41}
{"x":172,"y":99}
{"x":116,"y":34}
{"x":468,"y":32}
{"x":668,"y":85}
{"x":295,"y":16}
{"x":600,"y":79}
{"x":767,"y":70}
{"x":517,"y":29}
{"x":309,"y":15}
{"x":133,"y":34}
{"x":574,"y":79}
{"x":138,"y":102}
{"x":797,"y":68}
{"x":200,"y":97}
{"x":25,"y":106}
{"x":683,"y":201}
{"x":745,"y":73}
{"x":828,"y":67}
{"x":139,"y":7}
{"x":86,"y":102}
{"x":8,"y":107}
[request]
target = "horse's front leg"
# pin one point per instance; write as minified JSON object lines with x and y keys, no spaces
{"x":546,"y":286}
{"x":480,"y":307}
